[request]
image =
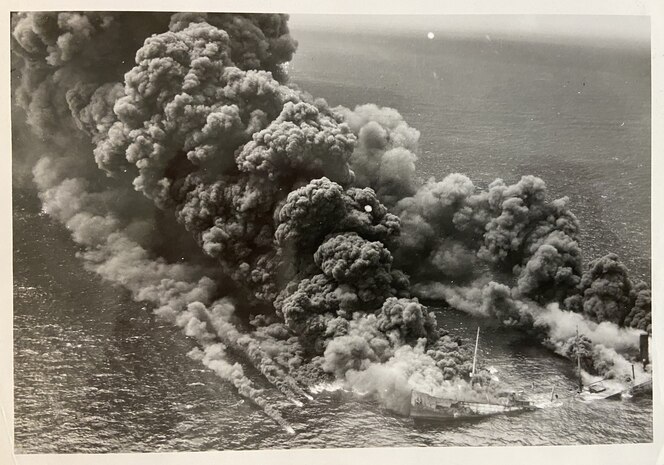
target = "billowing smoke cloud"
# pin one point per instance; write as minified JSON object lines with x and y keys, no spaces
{"x":384,"y":158}
{"x":298,"y":228}
{"x":64,"y":59}
{"x":394,"y":351}
{"x":452,"y":228}
{"x":260,"y":41}
{"x":640,"y":316}
{"x":604,"y":290}
{"x":431,"y":241}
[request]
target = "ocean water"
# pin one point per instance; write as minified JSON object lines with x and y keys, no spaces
{"x":94,"y":371}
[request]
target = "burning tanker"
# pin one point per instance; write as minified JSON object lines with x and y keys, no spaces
{"x":280,"y":232}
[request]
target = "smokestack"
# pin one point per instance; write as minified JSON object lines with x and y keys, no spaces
{"x":643,"y":345}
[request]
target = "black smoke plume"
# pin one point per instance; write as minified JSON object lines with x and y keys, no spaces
{"x":301,"y":229}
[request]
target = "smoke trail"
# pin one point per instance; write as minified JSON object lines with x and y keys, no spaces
{"x":523,"y":260}
{"x":113,"y":223}
{"x":220,"y":316}
{"x":299,"y":227}
{"x":609,"y":345}
{"x":214,"y":358}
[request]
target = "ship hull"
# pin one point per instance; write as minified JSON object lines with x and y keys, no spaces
{"x":466,"y":411}
{"x":430,"y":408}
{"x":643,"y":388}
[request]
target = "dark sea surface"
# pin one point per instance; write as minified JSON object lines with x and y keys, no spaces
{"x":94,"y":371}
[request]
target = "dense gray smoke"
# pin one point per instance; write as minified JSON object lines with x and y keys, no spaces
{"x":296,"y":231}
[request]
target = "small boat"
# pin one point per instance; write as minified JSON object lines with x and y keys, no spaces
{"x":599,"y":391}
{"x":424,"y":406}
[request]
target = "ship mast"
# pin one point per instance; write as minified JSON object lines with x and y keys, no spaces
{"x":477,"y":341}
